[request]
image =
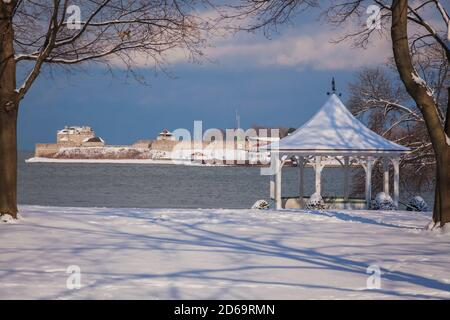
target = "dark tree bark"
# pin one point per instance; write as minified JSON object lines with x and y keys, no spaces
{"x":418,"y":90}
{"x":8,"y":114}
{"x":437,"y":207}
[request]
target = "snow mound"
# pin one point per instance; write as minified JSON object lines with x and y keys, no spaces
{"x":315,"y":202}
{"x":437,"y":228}
{"x":417,"y":203}
{"x":446,"y":229}
{"x":383,"y":201}
{"x":261,"y":204}
{"x":6,"y":218}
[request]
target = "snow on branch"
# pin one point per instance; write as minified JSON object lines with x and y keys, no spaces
{"x":420,"y":82}
{"x":442,"y":11}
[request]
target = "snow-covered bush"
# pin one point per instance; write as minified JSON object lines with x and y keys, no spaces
{"x":417,"y":204}
{"x":383,"y":201}
{"x":315,"y":202}
{"x":261,"y":204}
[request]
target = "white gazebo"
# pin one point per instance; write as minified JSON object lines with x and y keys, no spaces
{"x":334,"y":135}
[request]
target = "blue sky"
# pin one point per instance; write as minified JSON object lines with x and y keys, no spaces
{"x":277,"y":82}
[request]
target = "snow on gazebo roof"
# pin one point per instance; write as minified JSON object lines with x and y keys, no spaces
{"x":333,"y":128}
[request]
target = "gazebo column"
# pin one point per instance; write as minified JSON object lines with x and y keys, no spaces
{"x":272,"y":187}
{"x":346,"y":178}
{"x":368,"y":168}
{"x":278,"y":168}
{"x":386,"y":176}
{"x":318,"y":166}
{"x":301,"y":179}
{"x":395,"y":162}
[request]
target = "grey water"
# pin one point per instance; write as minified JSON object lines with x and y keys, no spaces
{"x":158,"y":186}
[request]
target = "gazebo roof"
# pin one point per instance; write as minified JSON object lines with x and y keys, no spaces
{"x":334,"y":129}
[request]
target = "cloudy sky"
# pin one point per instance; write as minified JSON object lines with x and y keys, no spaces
{"x":281,"y":81}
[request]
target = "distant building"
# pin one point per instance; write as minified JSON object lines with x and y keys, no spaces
{"x":93,"y":142}
{"x":81,"y":141}
{"x":166,"y":135}
{"x":70,"y":136}
{"x":74,"y":135}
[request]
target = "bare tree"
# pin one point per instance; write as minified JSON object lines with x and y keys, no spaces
{"x":39,"y":33}
{"x":420,"y":91}
{"x":378,"y":98}
{"x":425,"y":34}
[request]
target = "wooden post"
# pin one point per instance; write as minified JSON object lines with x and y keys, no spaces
{"x":272,"y":187}
{"x":395,"y":163}
{"x":318,"y":170}
{"x":301,"y":182}
{"x":271,"y":171}
{"x":369,"y":164}
{"x":346,"y":178}
{"x":386,"y":176}
{"x":278,"y":204}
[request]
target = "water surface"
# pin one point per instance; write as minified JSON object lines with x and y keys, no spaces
{"x":157,"y":186}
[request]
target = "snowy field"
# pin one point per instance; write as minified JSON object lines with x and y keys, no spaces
{"x":221,"y":254}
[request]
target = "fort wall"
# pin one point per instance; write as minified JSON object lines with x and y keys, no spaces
{"x":46,"y":150}
{"x":81,"y":141}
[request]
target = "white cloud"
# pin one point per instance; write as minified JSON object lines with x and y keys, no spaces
{"x":306,"y":49}
{"x":309,"y":46}
{"x":305,"y":45}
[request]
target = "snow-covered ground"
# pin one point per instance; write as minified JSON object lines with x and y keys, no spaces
{"x":221,"y":254}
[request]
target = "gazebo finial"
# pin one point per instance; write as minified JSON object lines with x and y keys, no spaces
{"x":333,"y":88}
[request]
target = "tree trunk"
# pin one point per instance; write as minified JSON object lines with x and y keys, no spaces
{"x":418,"y":90}
{"x":8,"y":114}
{"x":437,"y":200}
{"x":443,"y":179}
{"x":437,"y":217}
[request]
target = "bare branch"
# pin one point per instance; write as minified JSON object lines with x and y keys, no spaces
{"x":113,"y":32}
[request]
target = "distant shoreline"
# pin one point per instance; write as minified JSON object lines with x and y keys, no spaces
{"x":122,"y":161}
